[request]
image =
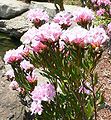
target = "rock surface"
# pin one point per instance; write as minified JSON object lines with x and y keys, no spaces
{"x":15,"y":27}
{"x":10,"y":106}
{"x":12,"y":8}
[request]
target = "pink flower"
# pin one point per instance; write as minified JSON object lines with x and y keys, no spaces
{"x":63,"y":18}
{"x":14,"y":85}
{"x":36,"y":108}
{"x":26,"y":65}
{"x":24,"y":50}
{"x":37,"y":15}
{"x":101,"y":2}
{"x":100,"y":12}
{"x":49,"y":32}
{"x":12,"y":56}
{"x":97,"y":36}
{"x":83,"y":15}
{"x":37,"y":46}
{"x":43,"y":92}
{"x":105,"y":2}
{"x":29,"y":36}
{"x":10,"y":74}
{"x":31,"y":78}
{"x":83,"y":89}
{"x":76,"y":35}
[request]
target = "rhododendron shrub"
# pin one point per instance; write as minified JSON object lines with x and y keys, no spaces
{"x":67,"y":57}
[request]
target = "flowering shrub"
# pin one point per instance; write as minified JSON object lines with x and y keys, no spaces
{"x":67,"y":58}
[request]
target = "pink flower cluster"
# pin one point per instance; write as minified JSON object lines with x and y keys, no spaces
{"x":24,"y":50}
{"x":83,"y":89}
{"x":36,"y":108}
{"x":15,"y":86}
{"x":42,"y":92}
{"x":37,"y":15}
{"x":29,"y":36}
{"x":10,"y":74}
{"x":95,"y":36}
{"x":37,"y":46}
{"x":29,"y":39}
{"x":26,"y":65}
{"x":101,"y":2}
{"x":76,"y":35}
{"x":49,"y":32}
{"x":12,"y":56}
{"x":63,"y":18}
{"x":83,"y":15}
{"x":100,"y":12}
{"x":35,"y":37}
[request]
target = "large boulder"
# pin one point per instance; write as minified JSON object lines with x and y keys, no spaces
{"x":15,"y":27}
{"x":12,"y":8}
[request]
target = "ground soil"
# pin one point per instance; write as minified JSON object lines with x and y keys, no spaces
{"x":104,"y":72}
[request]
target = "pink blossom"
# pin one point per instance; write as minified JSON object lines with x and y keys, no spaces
{"x":49,"y":32}
{"x":36,"y":108}
{"x":10,"y":74}
{"x":24,"y":50}
{"x":31,"y":78}
{"x":63,"y":18}
{"x":21,"y":90}
{"x":29,"y":36}
{"x":26,"y":65}
{"x":100,"y":12}
{"x":43,"y":92}
{"x":97,"y":36}
{"x":12,"y":56}
{"x":83,"y":89}
{"x":76,"y":35}
{"x":14,"y":85}
{"x":101,"y":2}
{"x":83,"y":15}
{"x":37,"y":46}
{"x":105,"y":2}
{"x":37,"y":15}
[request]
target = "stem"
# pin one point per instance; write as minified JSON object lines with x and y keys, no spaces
{"x":83,"y":101}
{"x":94,"y":98}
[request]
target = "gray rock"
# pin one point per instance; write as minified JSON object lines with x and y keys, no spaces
{"x":12,"y":8}
{"x":15,"y":27}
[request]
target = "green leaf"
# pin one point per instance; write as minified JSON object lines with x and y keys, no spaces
{"x":89,"y":110}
